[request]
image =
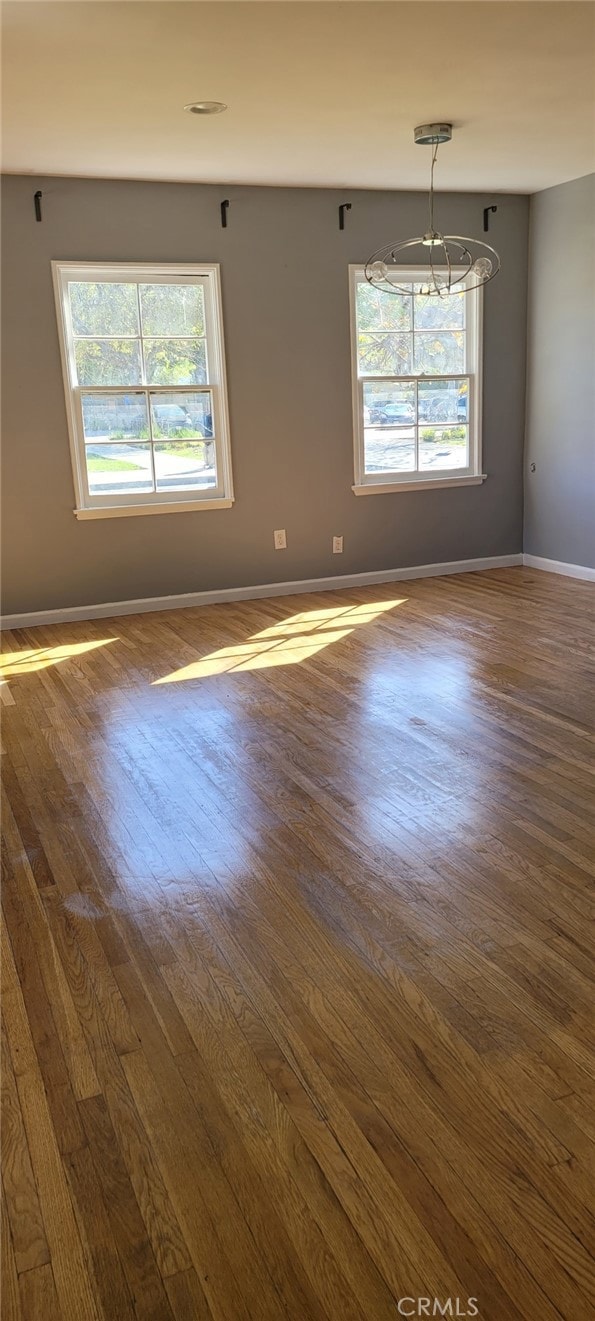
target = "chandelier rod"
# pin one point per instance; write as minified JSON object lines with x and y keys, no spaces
{"x":431,"y":198}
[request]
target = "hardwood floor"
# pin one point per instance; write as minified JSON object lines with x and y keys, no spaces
{"x":297,"y":986}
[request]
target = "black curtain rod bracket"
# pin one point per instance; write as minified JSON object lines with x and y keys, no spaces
{"x":486,"y":217}
{"x":346,"y":206}
{"x":224,"y":209}
{"x":37,"y":203}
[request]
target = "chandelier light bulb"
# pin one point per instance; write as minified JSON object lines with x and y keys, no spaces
{"x":482,"y":268}
{"x":378,"y":272}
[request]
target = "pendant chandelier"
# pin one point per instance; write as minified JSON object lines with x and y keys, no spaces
{"x":451,"y":264}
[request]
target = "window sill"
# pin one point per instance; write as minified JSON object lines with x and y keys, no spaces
{"x":431,"y":484}
{"x":171,"y":507}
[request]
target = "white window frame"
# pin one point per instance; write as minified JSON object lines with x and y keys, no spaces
{"x":116,"y":505}
{"x":387,"y":482}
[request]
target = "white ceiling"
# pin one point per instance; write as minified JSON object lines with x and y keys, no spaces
{"x":318,"y":94}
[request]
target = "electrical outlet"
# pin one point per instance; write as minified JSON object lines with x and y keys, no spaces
{"x":280,"y":539}
{"x":337,"y":545}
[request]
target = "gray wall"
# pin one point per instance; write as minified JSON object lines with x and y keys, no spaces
{"x":285,"y":300}
{"x":560,"y":494}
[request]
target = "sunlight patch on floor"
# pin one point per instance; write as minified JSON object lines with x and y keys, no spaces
{"x":289,"y":642}
{"x":13,"y":663}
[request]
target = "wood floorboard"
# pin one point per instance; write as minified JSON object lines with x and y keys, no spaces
{"x":298,"y":977}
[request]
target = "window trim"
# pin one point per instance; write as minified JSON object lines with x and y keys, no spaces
{"x":117,"y":505}
{"x":394,"y":482}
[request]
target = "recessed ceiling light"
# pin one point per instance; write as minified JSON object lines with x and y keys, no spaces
{"x":205,"y":107}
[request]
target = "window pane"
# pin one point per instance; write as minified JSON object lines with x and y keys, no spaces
{"x":115,"y":417}
{"x":107,"y":361}
{"x":433,"y":313}
{"x":185,"y":416}
{"x":439,"y":353}
{"x":384,"y":354}
{"x":176,"y":361}
{"x":377,"y":310}
{"x":114,"y":469}
{"x":172,"y":309}
{"x":443,"y":447}
{"x":185,"y":465}
{"x":389,"y":405}
{"x":443,"y":401}
{"x":389,"y":449}
{"x":103,"y":309}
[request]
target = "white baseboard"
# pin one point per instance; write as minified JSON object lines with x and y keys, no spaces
{"x":145,"y":604}
{"x":558,"y":566}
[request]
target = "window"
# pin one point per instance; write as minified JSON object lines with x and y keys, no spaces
{"x":144,"y":375}
{"x":416,"y":386}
